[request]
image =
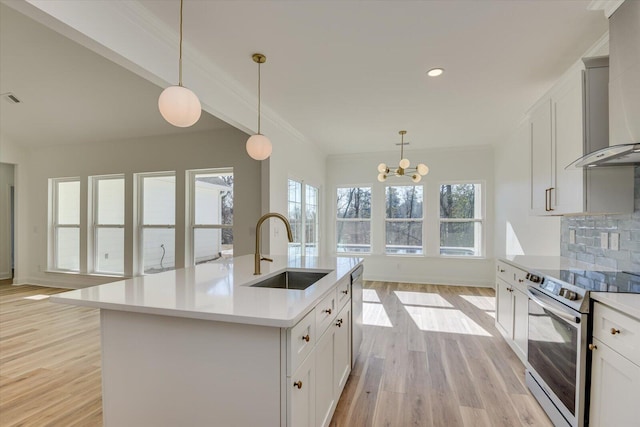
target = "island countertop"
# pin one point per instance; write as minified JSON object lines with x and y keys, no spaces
{"x":219,"y":291}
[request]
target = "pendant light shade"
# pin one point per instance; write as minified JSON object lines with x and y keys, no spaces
{"x":177,"y":104}
{"x":258,"y":146}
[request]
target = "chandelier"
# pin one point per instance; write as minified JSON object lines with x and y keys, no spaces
{"x":415,"y":173}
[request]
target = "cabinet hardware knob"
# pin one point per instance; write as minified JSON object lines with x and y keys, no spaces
{"x":501,"y":270}
{"x":615,"y":331}
{"x":520,"y":280}
{"x":306,"y":338}
{"x":593,"y":347}
{"x":298,"y":384}
{"x":328,"y":311}
{"x":345,"y":292}
{"x":339,"y":323}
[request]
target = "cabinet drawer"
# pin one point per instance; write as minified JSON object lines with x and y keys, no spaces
{"x":343,"y":292}
{"x":300,"y":341}
{"x":511,"y":275}
{"x":326,"y":311}
{"x":618,"y":331}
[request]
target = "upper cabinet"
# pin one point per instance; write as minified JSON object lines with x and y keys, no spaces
{"x":570,"y":121}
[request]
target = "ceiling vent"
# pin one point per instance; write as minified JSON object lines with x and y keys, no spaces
{"x":11,"y":98}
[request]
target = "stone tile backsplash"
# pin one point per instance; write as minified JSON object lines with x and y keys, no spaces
{"x":588,"y":228}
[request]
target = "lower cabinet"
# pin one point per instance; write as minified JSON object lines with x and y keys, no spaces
{"x":316,"y":385}
{"x":512,"y":307}
{"x":615,"y":369}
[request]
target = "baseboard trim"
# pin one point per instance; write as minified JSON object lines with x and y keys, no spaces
{"x":430,"y":281}
{"x":43,"y":282}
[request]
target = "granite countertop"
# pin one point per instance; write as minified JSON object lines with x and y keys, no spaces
{"x":218,"y":291}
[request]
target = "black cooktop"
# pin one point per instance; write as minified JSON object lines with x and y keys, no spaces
{"x":599,"y":281}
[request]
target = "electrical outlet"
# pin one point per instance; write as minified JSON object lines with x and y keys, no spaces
{"x":615,"y":242}
{"x":572,"y":237}
{"x":604,"y":240}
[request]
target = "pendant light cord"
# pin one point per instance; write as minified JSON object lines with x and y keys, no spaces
{"x":258,"y":98}
{"x":401,"y":146}
{"x":180,"y":62}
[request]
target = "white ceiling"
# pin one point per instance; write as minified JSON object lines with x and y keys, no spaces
{"x":346,"y":74}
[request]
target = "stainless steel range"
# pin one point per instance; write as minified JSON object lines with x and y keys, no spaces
{"x":559,"y":327}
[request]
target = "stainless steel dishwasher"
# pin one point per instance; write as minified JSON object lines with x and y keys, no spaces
{"x":356,"y":310}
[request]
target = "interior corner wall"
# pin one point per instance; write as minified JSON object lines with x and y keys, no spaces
{"x":517,"y":232}
{"x":181,"y":152}
{"x":6,"y":183}
{"x":446,"y":165}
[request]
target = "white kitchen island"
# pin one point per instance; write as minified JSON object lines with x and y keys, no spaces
{"x":200,"y":347}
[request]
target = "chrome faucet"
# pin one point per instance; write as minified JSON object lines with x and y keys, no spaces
{"x":262,"y":219}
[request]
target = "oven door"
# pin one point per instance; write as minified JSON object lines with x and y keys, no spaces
{"x":557,"y":353}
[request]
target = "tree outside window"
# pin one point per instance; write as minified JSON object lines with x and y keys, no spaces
{"x":353,"y":220}
{"x":461,"y":219}
{"x":403,"y":220}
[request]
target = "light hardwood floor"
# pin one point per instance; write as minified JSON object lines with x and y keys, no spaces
{"x":431,"y":356}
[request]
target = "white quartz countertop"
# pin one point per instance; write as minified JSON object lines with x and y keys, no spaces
{"x":218,"y":291}
{"x":626,"y":303}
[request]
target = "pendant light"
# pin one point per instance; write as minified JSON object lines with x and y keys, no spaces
{"x":403,"y":169}
{"x":258,"y":146}
{"x":179,"y":105}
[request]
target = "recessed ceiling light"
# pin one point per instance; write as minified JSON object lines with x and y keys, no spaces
{"x":435,"y":72}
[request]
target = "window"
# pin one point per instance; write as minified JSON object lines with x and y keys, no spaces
{"x":461,"y":219}
{"x":211,"y":214}
{"x":353,"y":220}
{"x":157,"y":216}
{"x":403,"y":219}
{"x":66,"y":224}
{"x":108,"y":224}
{"x":303,"y":205}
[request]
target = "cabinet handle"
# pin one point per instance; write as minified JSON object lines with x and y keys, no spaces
{"x":501,"y":270}
{"x":306,"y":338}
{"x":550,"y":189}
{"x":546,"y":200}
{"x":593,"y":347}
{"x":520,"y":280}
{"x":298,"y":384}
{"x":339,"y":323}
{"x":328,"y":311}
{"x":345,"y":292}
{"x":615,"y":331}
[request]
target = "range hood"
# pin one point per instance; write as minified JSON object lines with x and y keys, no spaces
{"x":624,"y":92}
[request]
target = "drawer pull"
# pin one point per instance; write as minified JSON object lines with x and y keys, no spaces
{"x":298,"y":384}
{"x":615,"y":331}
{"x":521,"y":280}
{"x":501,"y":270}
{"x":339,"y":323}
{"x":328,"y":311}
{"x":306,"y":338}
{"x":345,"y":292}
{"x":593,"y":347}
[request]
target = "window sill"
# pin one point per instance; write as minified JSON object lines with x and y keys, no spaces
{"x":77,"y":273}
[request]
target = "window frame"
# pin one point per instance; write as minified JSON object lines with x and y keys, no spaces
{"x":347,"y":220}
{"x":303,"y":243}
{"x":482,"y":211}
{"x":192,"y":226}
{"x":55,"y":223}
{"x":420,"y":220}
{"x":96,"y":226}
{"x":140,"y":217}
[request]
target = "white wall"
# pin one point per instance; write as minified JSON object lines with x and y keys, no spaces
{"x":213,"y":149}
{"x":516,"y":231}
{"x":446,"y":165}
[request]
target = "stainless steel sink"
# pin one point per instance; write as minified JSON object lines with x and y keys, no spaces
{"x":291,"y":280}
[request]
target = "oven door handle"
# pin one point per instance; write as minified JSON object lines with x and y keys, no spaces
{"x":558,"y":312}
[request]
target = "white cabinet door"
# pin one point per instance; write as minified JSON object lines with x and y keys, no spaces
{"x":615,"y":384}
{"x":301,"y":394}
{"x":520,"y":321}
{"x":541,"y":159}
{"x":504,"y":312}
{"x":567,"y":195}
{"x":325,"y":372}
{"x":342,"y":355}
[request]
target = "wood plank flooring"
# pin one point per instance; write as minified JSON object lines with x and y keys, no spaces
{"x":431,"y":356}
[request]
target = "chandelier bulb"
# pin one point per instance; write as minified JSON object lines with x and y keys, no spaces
{"x":382,"y":177}
{"x":382,"y":168}
{"x":404,"y":163}
{"x":422,"y":169}
{"x":416,"y":177}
